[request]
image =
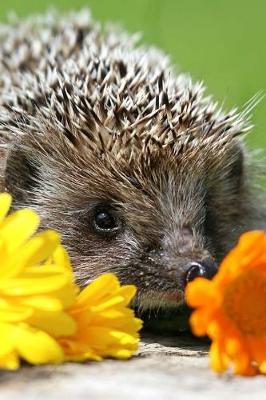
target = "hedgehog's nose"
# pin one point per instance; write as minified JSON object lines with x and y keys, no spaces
{"x":206,"y":269}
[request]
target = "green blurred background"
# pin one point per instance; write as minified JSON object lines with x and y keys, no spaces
{"x":222,"y":42}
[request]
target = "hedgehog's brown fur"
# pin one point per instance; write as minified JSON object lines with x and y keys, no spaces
{"x":92,"y":118}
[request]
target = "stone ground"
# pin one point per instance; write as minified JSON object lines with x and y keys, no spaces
{"x":165,"y":368}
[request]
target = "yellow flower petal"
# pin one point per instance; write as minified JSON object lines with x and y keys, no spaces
{"x":24,"y":223}
{"x":113,"y":302}
{"x":127,"y":292}
{"x":13,"y":312}
{"x":32,"y":345}
{"x":36,"y":346}
{"x":42,"y":302}
{"x":35,"y":251}
{"x":55,"y":323}
{"x":103,"y":286}
{"x":10,"y":361}
{"x":24,"y":286}
{"x":60,"y":257}
{"x":6,"y":339}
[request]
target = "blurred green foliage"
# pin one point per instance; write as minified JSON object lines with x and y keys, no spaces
{"x":222,"y":42}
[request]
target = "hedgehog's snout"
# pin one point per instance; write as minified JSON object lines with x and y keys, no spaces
{"x":186,"y":258}
{"x":205,"y":269}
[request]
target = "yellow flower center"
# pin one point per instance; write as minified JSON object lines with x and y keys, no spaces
{"x":244,"y":303}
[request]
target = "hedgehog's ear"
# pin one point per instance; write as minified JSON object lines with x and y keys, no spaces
{"x":21,"y":174}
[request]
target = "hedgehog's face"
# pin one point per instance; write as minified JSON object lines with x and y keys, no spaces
{"x":157,"y":225}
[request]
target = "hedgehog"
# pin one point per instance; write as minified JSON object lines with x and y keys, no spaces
{"x":142,"y":174}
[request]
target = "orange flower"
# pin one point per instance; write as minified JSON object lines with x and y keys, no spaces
{"x":231,"y":309}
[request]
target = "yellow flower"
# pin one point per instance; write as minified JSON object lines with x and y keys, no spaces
{"x":230,"y":309}
{"x":106,"y":327}
{"x":36,"y":286}
{"x":43,"y":317}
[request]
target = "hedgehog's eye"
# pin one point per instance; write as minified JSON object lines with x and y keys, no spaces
{"x":105,"y":222}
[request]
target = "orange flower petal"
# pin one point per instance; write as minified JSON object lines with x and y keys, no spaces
{"x":201,"y":292}
{"x":199,"y":321}
{"x":218,"y":359}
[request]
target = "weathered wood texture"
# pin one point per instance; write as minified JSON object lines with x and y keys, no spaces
{"x":165,"y":368}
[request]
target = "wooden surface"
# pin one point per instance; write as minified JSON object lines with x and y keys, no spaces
{"x":165,"y":368}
